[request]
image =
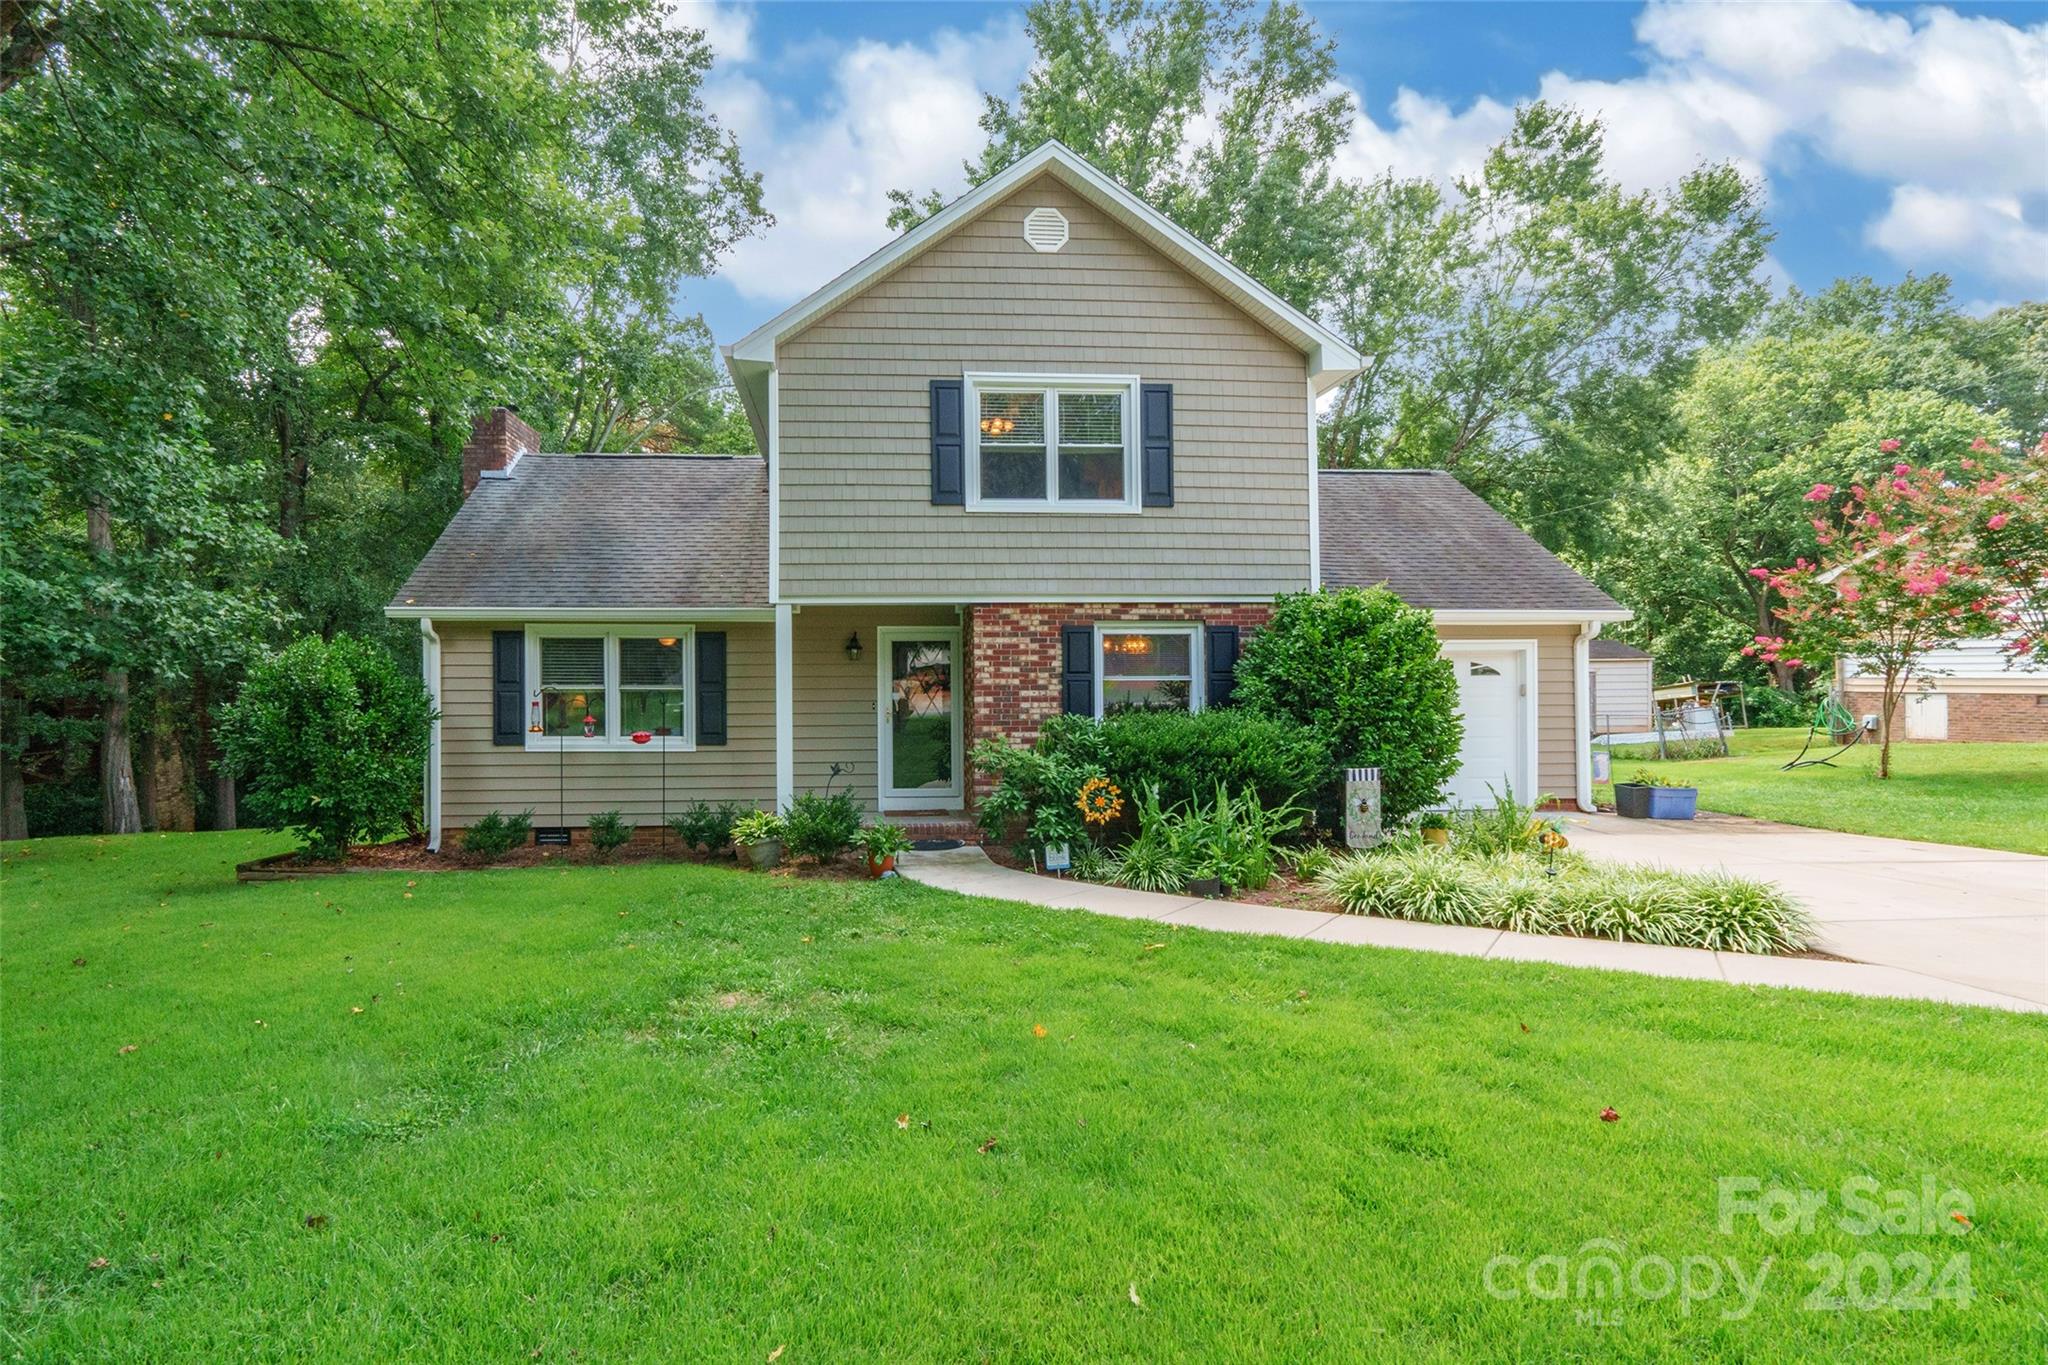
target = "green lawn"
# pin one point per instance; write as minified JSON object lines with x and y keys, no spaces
{"x":1983,"y":795}
{"x":652,"y":1112}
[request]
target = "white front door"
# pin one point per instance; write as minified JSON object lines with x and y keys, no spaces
{"x":919,"y":709}
{"x":1493,"y":698}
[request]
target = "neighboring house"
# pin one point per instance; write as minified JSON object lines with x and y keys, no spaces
{"x":1045,"y":452}
{"x":1620,"y":688}
{"x":1964,"y":691}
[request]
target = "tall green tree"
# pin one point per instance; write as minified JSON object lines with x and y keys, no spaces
{"x":1825,"y":386}
{"x":1221,"y":114}
{"x":1527,"y":326}
{"x":319,"y":236}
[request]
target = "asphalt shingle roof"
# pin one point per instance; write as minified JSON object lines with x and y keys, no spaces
{"x":1437,"y":544}
{"x":629,"y":531}
{"x":1600,"y":647}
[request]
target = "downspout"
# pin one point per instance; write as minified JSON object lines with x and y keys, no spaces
{"x":430,"y":672}
{"x":1582,"y":722}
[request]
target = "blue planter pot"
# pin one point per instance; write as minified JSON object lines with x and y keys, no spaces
{"x":1639,"y":802}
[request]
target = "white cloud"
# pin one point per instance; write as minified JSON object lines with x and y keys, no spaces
{"x":890,"y":116}
{"x":729,"y":29}
{"x":1950,"y":111}
{"x":1988,"y":230}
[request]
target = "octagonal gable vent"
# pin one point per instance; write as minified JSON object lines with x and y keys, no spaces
{"x":1045,"y":229}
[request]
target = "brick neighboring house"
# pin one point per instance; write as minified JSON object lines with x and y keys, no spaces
{"x":1965,"y":691}
{"x":1043,"y":453}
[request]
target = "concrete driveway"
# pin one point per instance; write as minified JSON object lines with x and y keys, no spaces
{"x":1966,"y":915}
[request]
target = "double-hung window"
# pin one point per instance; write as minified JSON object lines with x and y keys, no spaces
{"x":1147,"y":668}
{"x":597,"y":688}
{"x":1045,"y":443}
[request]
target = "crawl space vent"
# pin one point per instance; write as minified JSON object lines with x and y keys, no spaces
{"x":1045,"y":229}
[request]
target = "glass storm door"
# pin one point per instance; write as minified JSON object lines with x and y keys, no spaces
{"x":920,"y":718}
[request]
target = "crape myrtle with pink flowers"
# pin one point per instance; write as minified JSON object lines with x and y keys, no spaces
{"x":1914,"y":558}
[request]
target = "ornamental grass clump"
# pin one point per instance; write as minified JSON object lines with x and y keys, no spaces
{"x":1569,"y":895}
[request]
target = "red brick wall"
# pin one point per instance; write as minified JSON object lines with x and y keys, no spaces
{"x":1977,"y":716}
{"x":1013,"y":656}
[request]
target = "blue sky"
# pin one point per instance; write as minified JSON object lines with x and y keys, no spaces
{"x":1889,"y":137}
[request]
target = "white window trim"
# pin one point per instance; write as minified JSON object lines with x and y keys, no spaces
{"x":1198,"y":680}
{"x":1126,"y":384}
{"x":888,"y":797}
{"x":686,"y":639}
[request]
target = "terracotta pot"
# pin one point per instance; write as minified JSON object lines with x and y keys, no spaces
{"x":877,"y":866}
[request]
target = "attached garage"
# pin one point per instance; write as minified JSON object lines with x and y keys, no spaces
{"x":1516,"y":622}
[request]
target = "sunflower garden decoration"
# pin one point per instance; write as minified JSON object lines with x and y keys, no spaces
{"x":1100,"y":801}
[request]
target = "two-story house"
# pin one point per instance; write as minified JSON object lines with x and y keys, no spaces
{"x":1044,"y":452}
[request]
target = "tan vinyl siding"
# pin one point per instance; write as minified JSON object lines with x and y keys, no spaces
{"x":836,"y":699}
{"x":478,"y":776}
{"x":1557,"y":769}
{"x":856,"y":513}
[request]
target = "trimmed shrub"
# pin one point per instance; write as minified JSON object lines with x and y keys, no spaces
{"x":609,"y":832}
{"x":497,"y":834}
{"x":331,"y":739}
{"x":706,"y":826}
{"x":1188,"y":755}
{"x":821,"y":827}
{"x":1363,"y":670}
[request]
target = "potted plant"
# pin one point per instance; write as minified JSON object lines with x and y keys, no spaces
{"x":759,"y":835}
{"x":1649,"y":796}
{"x":1435,"y":827}
{"x":881,"y":842}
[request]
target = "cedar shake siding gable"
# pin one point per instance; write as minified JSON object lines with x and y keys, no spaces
{"x":857,"y":515}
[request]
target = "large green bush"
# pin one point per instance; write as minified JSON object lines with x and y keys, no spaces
{"x":332,"y":740}
{"x":1035,"y":789}
{"x":1365,"y":671}
{"x":1188,"y":756}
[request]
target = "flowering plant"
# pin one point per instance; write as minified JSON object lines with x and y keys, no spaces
{"x":1100,"y":801}
{"x":1903,"y":570}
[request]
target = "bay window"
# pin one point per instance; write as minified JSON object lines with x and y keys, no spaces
{"x":597,"y":688}
{"x":1039,"y":443}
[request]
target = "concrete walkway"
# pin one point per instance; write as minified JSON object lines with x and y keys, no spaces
{"x":968,"y":871}
{"x":1976,"y":917}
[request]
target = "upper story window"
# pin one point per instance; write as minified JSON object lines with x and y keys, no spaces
{"x":1052,"y":443}
{"x":598,"y":688}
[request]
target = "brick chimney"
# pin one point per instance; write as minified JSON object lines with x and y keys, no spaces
{"x":495,"y":445}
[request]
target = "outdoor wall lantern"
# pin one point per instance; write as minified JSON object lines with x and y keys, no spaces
{"x":853,"y":648}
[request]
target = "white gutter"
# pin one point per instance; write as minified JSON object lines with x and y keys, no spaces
{"x":1550,"y":616}
{"x":541,"y":616}
{"x":1582,"y":726}
{"x":430,"y":672}
{"x":1315,"y":505}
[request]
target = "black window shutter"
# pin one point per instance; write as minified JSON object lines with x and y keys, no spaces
{"x":1156,"y":438}
{"x":1222,"y":665}
{"x":711,"y":687}
{"x":949,"y":444}
{"x":508,"y":687}
{"x":1077,"y":670}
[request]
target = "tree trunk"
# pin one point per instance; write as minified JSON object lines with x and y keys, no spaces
{"x":13,"y":812}
{"x":1888,"y":702}
{"x":170,"y":776}
{"x":212,"y":775}
{"x":119,"y":813}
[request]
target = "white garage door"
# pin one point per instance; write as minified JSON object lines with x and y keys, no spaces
{"x":1495,"y":752}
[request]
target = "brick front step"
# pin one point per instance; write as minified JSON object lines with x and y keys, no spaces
{"x":937,"y":825}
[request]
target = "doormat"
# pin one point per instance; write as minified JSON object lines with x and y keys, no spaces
{"x":936,"y":845}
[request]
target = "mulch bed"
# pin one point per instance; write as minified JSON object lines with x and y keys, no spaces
{"x":412,"y":855}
